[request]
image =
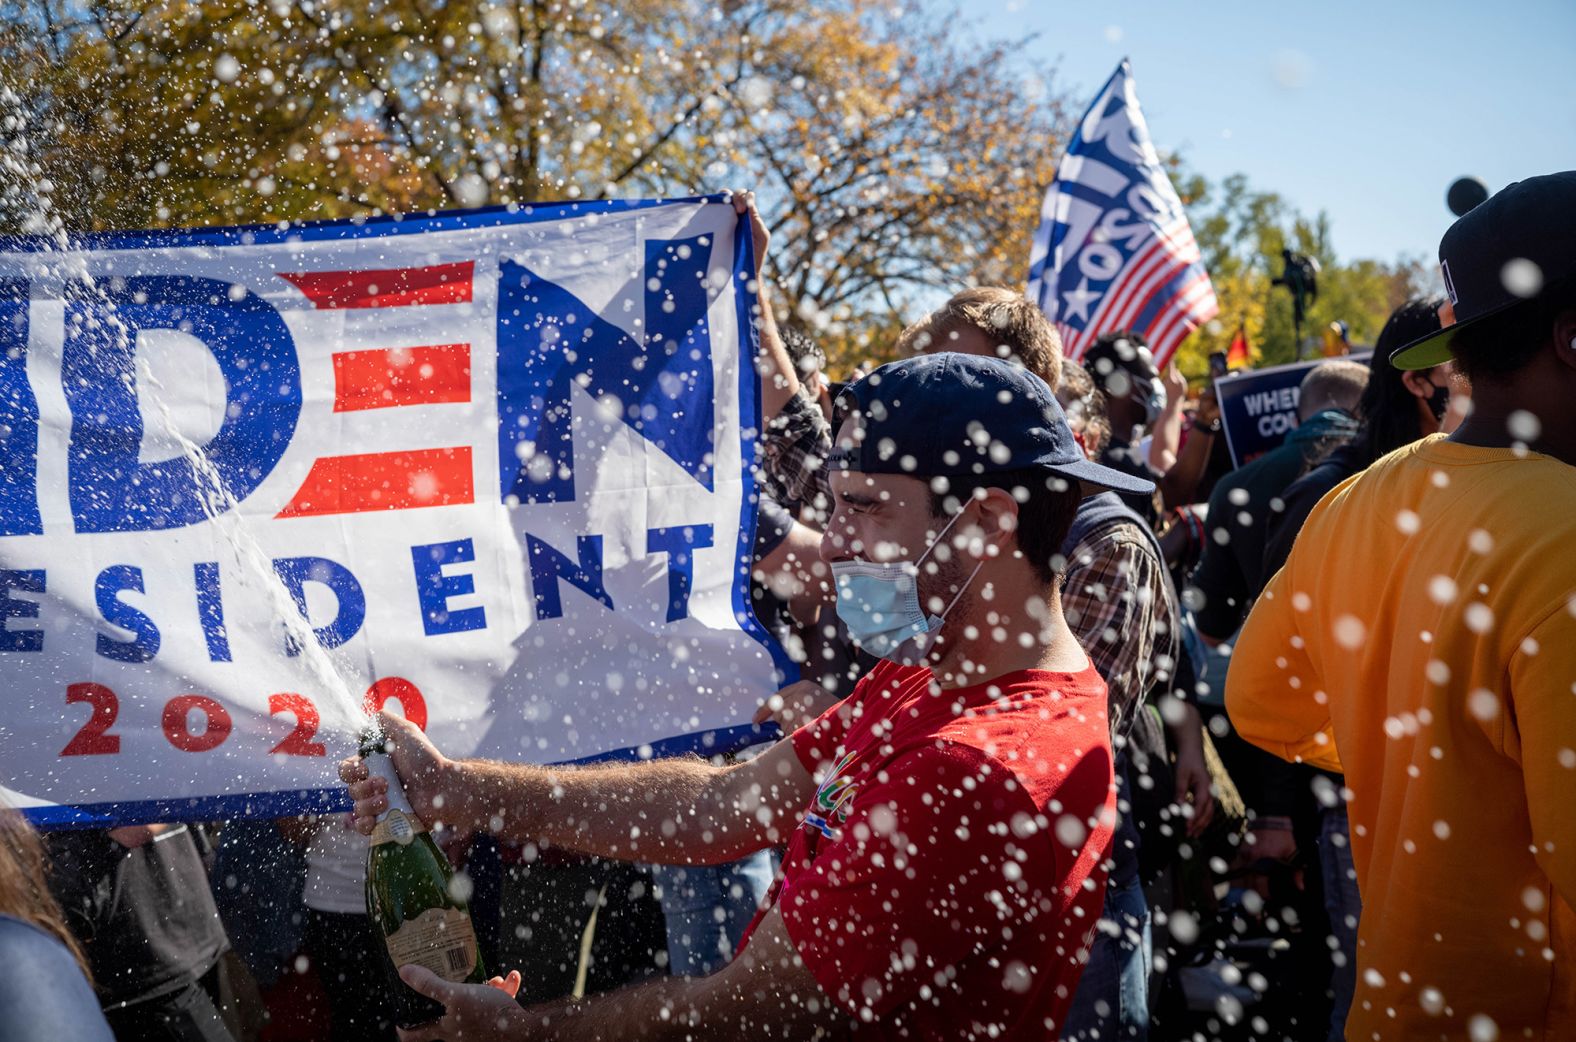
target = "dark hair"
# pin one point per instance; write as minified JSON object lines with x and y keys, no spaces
{"x":1387,"y":409}
{"x":1124,"y":350}
{"x":1046,"y":507}
{"x":1498,"y":346}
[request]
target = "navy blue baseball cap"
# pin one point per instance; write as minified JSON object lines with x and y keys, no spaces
{"x":950,"y":414}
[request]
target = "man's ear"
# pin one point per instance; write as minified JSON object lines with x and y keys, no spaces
{"x":998,"y":519}
{"x":1565,"y":337}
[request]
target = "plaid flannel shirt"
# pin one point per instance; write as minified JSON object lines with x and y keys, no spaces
{"x":1119,"y":603}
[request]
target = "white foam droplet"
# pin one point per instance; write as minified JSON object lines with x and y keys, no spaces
{"x":1523,"y":425}
{"x":1521,"y":277}
{"x":1481,"y":1028}
{"x":1350,"y":632}
{"x":1442,"y":589}
{"x":1483,"y":704}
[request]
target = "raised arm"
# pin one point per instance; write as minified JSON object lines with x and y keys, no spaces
{"x":1179,"y":485}
{"x":795,"y":437}
{"x":679,"y":810}
{"x":779,"y":378}
{"x":1167,"y":438}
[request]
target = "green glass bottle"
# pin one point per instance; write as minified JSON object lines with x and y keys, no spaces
{"x":411,"y":899}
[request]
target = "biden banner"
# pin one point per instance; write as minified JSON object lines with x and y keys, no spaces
{"x":1258,"y":407}
{"x":491,"y":468}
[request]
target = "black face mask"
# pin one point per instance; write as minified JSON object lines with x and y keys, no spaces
{"x":1439,"y":402}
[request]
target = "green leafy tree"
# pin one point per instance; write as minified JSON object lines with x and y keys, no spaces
{"x":1241,"y":232}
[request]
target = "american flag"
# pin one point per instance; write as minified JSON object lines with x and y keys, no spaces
{"x":1114,"y":250}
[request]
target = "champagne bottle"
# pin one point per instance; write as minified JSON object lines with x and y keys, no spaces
{"x":410,"y":898}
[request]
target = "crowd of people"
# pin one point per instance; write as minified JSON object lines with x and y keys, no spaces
{"x":1097,"y":735}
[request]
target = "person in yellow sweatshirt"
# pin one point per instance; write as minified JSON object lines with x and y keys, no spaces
{"x":1422,"y":639}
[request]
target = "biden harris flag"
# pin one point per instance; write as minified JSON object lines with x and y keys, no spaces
{"x":490,"y":468}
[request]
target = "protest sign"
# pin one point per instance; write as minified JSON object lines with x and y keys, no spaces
{"x":492,"y":467}
{"x":1258,"y":407}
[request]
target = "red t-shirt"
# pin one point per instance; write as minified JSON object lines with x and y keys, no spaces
{"x":946,"y":880}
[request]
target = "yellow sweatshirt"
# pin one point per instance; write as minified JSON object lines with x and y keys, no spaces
{"x":1422,"y":639}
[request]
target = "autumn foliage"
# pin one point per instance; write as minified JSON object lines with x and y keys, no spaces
{"x":890,"y":158}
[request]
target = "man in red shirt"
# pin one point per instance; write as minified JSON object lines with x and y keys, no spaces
{"x":946,"y":824}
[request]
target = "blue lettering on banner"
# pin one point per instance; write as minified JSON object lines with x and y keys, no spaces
{"x":678,"y":543}
{"x":107,"y":589}
{"x":29,"y":580}
{"x":548,"y":566}
{"x":210,"y":610}
{"x":549,"y":341}
{"x":435,"y":590}
{"x":111,"y":490}
{"x":18,"y":418}
{"x":351,"y":612}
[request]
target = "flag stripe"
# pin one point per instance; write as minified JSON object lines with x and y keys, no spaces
{"x":1115,"y":311}
{"x":1198,"y":307}
{"x":391,"y":377}
{"x":1138,"y":290}
{"x":386,"y":287}
{"x":1176,"y":335}
{"x":1099,"y":322}
{"x":1190,"y":295}
{"x":1142,"y":288}
{"x":384,"y":481}
{"x":1170,"y":295}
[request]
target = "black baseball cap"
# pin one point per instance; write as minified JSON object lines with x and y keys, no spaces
{"x":1500,"y":254}
{"x":951,"y":414}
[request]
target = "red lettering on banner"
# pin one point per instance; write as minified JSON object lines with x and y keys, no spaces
{"x":384,"y":379}
{"x":412,"y":705}
{"x":175,"y":719}
{"x":299,"y":741}
{"x":94,"y":738}
{"x":387,"y":287}
{"x":216,"y":727}
{"x":385,"y":481}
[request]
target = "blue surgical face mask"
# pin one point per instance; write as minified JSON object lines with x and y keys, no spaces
{"x":879,"y":603}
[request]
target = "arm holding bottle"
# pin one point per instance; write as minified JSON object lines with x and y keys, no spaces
{"x":676,"y":810}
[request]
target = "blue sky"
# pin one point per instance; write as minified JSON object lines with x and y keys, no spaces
{"x":1367,"y":110}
